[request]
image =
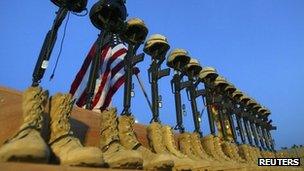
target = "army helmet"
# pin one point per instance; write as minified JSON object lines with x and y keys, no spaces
{"x":156,"y":44}
{"x":236,"y":94}
{"x":266,"y":112}
{"x":208,"y":72}
{"x":244,"y":98}
{"x":230,"y":88}
{"x":108,"y":14}
{"x":193,"y":67}
{"x":220,"y":81}
{"x":135,"y":31}
{"x":262,"y":110}
{"x":250,"y":103}
{"x":74,"y":5}
{"x":257,"y":106}
{"x":178,"y":59}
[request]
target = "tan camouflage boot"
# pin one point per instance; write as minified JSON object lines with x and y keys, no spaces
{"x":257,"y":152}
{"x":264,"y":154}
{"x":159,"y":142}
{"x":185,"y":145}
{"x":116,"y":155}
{"x":236,"y":154}
{"x":27,"y":144}
{"x":218,"y":148}
{"x":245,"y":153}
{"x":65,"y":146}
{"x":199,"y":151}
{"x":253,"y":153}
{"x":170,"y":144}
{"x":209,"y":146}
{"x":234,"y":157}
{"x":169,"y":141}
{"x":151,"y":161}
{"x":228,"y":150}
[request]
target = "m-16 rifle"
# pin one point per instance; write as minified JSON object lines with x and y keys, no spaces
{"x":178,"y":59}
{"x":192,"y":70}
{"x":156,"y":46}
{"x":51,"y":36}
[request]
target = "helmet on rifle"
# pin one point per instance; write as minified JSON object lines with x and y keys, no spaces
{"x":178,"y":59}
{"x":108,"y":14}
{"x":220,"y":81}
{"x":71,"y":5}
{"x":193,"y":67}
{"x":135,"y":31}
{"x":156,"y":44}
{"x":230,"y":88}
{"x":256,"y":106}
{"x":244,"y":99}
{"x":237,"y":94}
{"x":251,"y":103}
{"x":266,"y":112}
{"x":208,"y":72}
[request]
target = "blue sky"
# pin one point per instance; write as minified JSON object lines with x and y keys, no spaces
{"x":257,"y":45}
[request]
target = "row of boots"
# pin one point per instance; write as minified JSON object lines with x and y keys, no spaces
{"x":27,"y":143}
{"x":119,"y":146}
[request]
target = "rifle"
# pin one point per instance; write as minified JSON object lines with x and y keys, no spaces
{"x":155,"y":73}
{"x":176,"y":87}
{"x":51,"y":36}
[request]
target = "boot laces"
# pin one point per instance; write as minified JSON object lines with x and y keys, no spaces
{"x":129,"y":128}
{"x":65,"y":113}
{"x":33,"y":117}
{"x":170,"y":135}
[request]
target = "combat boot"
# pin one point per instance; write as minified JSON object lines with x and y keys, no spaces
{"x":185,"y":145}
{"x":116,"y":155}
{"x":258,"y":152}
{"x":209,"y":147}
{"x":65,"y":146}
{"x":200,"y":152}
{"x":235,"y":152}
{"x":218,"y":149}
{"x":151,"y":161}
{"x":233,"y":155}
{"x":245,"y":153}
{"x":169,"y":142}
{"x":264,"y":154}
{"x":230,"y":150}
{"x":27,"y":144}
{"x":253,"y":153}
{"x":158,"y":144}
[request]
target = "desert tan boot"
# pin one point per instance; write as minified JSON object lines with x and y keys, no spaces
{"x":65,"y":146}
{"x":116,"y":155}
{"x":151,"y":161}
{"x":27,"y":144}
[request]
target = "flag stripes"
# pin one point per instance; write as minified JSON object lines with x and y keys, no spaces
{"x":110,"y":76}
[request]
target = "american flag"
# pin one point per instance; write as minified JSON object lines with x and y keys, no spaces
{"x":111,"y":76}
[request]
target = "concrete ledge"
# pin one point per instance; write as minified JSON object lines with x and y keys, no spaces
{"x":12,"y":166}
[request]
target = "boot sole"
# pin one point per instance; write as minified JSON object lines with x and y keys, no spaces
{"x":181,"y":168}
{"x":23,"y":156}
{"x":28,"y":158}
{"x":129,"y":164}
{"x":160,"y":166}
{"x":86,"y":164}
